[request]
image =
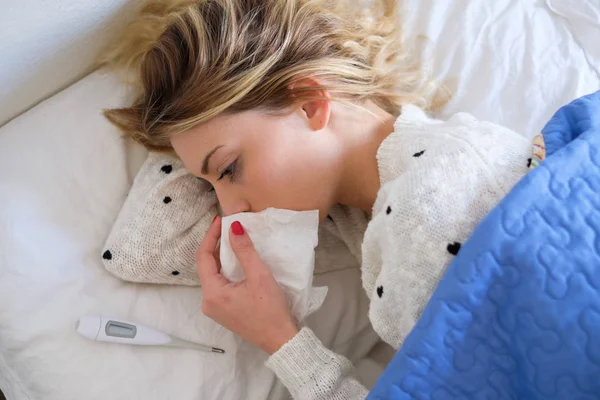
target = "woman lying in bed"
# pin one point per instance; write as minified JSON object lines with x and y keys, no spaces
{"x":303,"y":105}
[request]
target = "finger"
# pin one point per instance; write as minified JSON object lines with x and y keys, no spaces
{"x":244,"y":250}
{"x":206,"y":264}
{"x":217,"y":256}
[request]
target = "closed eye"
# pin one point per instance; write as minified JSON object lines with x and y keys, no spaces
{"x":231,"y":170}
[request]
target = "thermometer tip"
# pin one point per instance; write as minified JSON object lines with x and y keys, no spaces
{"x":216,"y":350}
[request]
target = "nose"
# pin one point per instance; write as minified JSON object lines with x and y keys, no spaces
{"x":231,"y":202}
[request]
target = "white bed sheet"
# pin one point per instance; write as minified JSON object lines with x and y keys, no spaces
{"x":66,"y":173}
{"x":511,"y":62}
{"x":67,"y":176}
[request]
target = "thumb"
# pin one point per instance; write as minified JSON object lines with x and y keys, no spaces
{"x":244,"y":250}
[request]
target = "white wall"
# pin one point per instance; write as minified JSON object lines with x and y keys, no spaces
{"x":45,"y":45}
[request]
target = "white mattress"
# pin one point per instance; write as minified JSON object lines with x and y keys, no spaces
{"x":66,"y":172}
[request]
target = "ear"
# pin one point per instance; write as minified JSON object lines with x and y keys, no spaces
{"x":317,"y":111}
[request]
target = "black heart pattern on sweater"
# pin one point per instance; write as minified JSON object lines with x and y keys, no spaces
{"x":107,"y":255}
{"x":167,"y":169}
{"x":419,"y":154}
{"x":454,"y":248}
{"x":380,"y":291}
{"x":167,"y":200}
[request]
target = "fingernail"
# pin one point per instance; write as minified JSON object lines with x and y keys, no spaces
{"x":237,"y":228}
{"x":215,"y":218}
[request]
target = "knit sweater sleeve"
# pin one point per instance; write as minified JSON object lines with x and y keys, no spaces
{"x":312,"y":372}
{"x":439,"y":180}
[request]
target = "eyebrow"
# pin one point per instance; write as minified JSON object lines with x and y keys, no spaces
{"x":207,"y":160}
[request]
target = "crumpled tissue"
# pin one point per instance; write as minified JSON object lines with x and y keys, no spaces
{"x":285,"y":240}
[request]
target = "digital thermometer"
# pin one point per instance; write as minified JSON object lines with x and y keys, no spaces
{"x":113,"y":330}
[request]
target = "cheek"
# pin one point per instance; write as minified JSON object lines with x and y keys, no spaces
{"x":263,"y":183}
{"x":286,"y":182}
{"x":287,"y":171}
{"x":269,"y":174}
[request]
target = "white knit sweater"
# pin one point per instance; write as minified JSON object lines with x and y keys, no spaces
{"x":438,"y":180}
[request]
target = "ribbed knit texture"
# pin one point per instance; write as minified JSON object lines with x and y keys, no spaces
{"x":310,"y":371}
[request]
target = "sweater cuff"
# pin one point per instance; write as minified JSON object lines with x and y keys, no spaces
{"x":298,"y":362}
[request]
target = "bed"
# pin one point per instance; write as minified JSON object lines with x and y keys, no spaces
{"x":67,"y":172}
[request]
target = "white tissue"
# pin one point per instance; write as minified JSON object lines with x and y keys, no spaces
{"x":285,"y":240}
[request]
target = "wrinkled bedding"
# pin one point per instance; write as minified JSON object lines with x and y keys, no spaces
{"x":517,"y":314}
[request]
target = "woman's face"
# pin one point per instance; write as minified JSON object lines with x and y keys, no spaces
{"x":255,"y":160}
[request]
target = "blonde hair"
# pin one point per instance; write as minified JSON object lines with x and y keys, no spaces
{"x":193,"y":60}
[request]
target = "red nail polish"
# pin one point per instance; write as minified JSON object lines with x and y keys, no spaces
{"x":215,"y":218}
{"x":237,"y":228}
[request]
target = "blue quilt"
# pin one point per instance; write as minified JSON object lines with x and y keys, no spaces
{"x":517,"y":315}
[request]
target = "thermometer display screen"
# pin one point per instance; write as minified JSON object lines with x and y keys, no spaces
{"x":120,"y":329}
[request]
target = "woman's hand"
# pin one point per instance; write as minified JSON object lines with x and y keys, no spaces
{"x":255,"y":309}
